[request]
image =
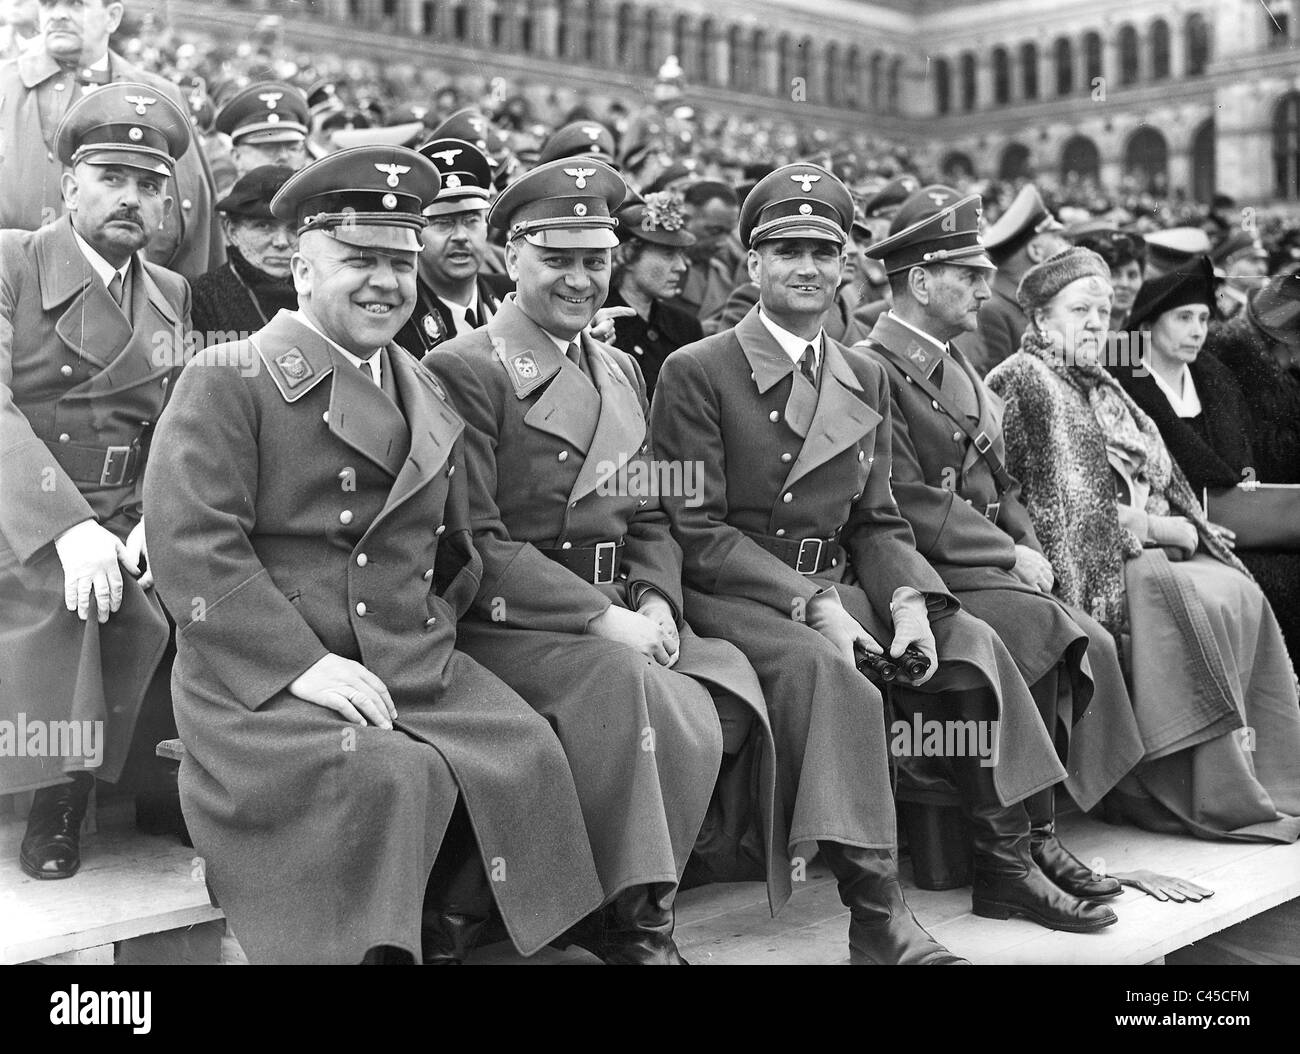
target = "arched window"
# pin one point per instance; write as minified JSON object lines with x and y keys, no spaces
{"x":1159,"y":49}
{"x":1063,"y":54}
{"x":1146,"y":159}
{"x":1080,"y":160}
{"x":969,"y":89}
{"x":460,"y":22}
{"x":1129,"y":60}
{"x":785,"y":64}
{"x":833,"y":75}
{"x":1197,"y":39}
{"x":684,"y":47}
{"x":1286,"y":147}
{"x":1001,"y":77}
{"x":942,"y":87}
{"x":1203,"y":162}
{"x":1014,"y":164}
{"x":741,"y":66}
{"x":895,"y":85}
{"x":1029,"y":70}
{"x":627,"y":50}
{"x":855,"y":95}
{"x":877,"y":99}
{"x":1092,"y":56}
{"x":708,"y":33}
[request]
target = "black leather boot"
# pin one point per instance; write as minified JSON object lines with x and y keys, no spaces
{"x":457,"y":900}
{"x":1057,"y":862}
{"x":882,"y":929}
{"x":634,"y":929}
{"x":52,"y":845}
{"x":1006,"y":880}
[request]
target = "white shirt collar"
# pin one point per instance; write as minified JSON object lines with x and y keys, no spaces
{"x":1182,"y":396}
{"x":101,"y":267}
{"x":374,"y":365}
{"x":459,"y":309}
{"x":563,"y":345}
{"x":792,"y":345}
{"x":919,"y":332}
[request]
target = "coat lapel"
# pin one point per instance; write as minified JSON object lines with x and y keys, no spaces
{"x":841,"y":417}
{"x":154,"y":315}
{"x":621,"y":428}
{"x":435,"y":427}
{"x":91,"y":325}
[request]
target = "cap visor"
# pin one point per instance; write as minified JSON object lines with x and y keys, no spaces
{"x":393,"y":135}
{"x":573,"y":238}
{"x":132,"y":159}
{"x":795,"y":230}
{"x":452,"y":206}
{"x":270,"y":135}
{"x":375,"y":236}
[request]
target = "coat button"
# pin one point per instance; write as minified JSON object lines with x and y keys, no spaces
{"x":856,"y":497}
{"x":567,"y":545}
{"x":440,"y":529}
{"x":361,"y":608}
{"x":862,"y":455}
{"x":451,"y":471}
{"x":165,"y":381}
{"x":186,"y":204}
{"x":563,"y":455}
{"x":428,"y":575}
{"x":774,"y":416}
{"x":64,"y":437}
{"x":60,"y":86}
{"x":345,"y":517}
{"x":970,"y":501}
{"x":908,"y":379}
{"x":429,"y":623}
{"x":780,"y":533}
{"x":362,"y":559}
{"x":66,"y":370}
{"x":787,"y":458}
{"x":956,"y":437}
{"x":934,"y":404}
{"x":325,"y":417}
{"x":788,"y":497}
{"x":573,"y":504}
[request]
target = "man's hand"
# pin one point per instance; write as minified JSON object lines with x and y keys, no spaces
{"x":633,"y":629}
{"x":137,"y":550}
{"x":1034,"y":569}
{"x":654,"y":607}
{"x":347,"y":688}
{"x":912,"y":626}
{"x":90,"y":555}
{"x":601,"y":327}
{"x":827,"y":616}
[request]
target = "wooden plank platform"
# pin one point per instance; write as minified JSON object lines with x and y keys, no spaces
{"x":132,"y":886}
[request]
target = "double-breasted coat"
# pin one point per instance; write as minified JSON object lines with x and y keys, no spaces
{"x":558,"y":457}
{"x":35,"y":93}
{"x":82,"y":382}
{"x":785,"y":463}
{"x":297,"y":509}
{"x":968,"y":526}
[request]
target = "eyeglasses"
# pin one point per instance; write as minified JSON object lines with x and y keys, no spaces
{"x":471,"y":221}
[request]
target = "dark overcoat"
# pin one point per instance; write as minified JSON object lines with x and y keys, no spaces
{"x":190,"y":241}
{"x":946,"y":489}
{"x":431,"y":321}
{"x":544,"y":447}
{"x":1001,"y":322}
{"x":783,"y":462}
{"x":295,"y":512}
{"x":652,"y":339}
{"x":78,"y":375}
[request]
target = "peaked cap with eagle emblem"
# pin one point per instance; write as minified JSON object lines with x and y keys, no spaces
{"x":466,"y":177}
{"x":565,"y":204}
{"x":937,"y":224}
{"x":801,"y":200}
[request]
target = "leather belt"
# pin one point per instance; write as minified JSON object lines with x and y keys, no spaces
{"x":102,"y":466}
{"x":597,"y":564}
{"x":808,"y":556}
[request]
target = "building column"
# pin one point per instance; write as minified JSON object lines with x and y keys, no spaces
{"x":1144,"y":56}
{"x":815,"y":63}
{"x":765,"y":60}
{"x":1110,"y":57}
{"x":1046,"y":71}
{"x":983,"y":81}
{"x":1178,"y":53}
{"x":720,"y":55}
{"x":546,"y":29}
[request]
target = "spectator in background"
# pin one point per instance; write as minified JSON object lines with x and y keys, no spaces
{"x":1125,"y":255}
{"x":255,"y":283}
{"x":1243,"y":264}
{"x":267,"y":124}
{"x":19,"y":26}
{"x":712,"y":209}
{"x":1026,"y":234}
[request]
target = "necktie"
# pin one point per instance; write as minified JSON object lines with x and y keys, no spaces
{"x":575,"y":356}
{"x":366,"y":367}
{"x":116,"y":289}
{"x":808,"y":365}
{"x":470,"y":320}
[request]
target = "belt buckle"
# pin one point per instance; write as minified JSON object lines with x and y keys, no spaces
{"x":983,"y":438}
{"x":816,"y":557}
{"x":116,"y":461}
{"x":991,"y":511}
{"x":605,"y":550}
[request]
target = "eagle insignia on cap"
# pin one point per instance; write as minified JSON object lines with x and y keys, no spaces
{"x":448,"y":157}
{"x":805,"y":181}
{"x":525,"y":366}
{"x":142,"y":103}
{"x":293,"y":367}
{"x":937,"y":197}
{"x":393,"y":172}
{"x":580,"y":175}
{"x":135,"y":135}
{"x":592,"y":131}
{"x":434,"y":328}
{"x":271,"y":98}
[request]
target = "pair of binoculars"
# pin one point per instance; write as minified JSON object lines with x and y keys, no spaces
{"x":911,"y":665}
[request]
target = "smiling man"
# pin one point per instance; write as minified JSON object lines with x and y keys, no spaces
{"x":580,"y":606}
{"x":314,"y":540}
{"x":91,"y":337}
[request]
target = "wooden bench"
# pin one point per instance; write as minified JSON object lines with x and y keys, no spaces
{"x":145,"y":894}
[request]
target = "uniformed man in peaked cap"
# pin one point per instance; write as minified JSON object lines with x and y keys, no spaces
{"x":1026,"y":234}
{"x":579,"y":139}
{"x":314,"y":541}
{"x":580,"y":604}
{"x":452,"y":295}
{"x":801,"y":558}
{"x":91,"y":337}
{"x":952,"y":485}
{"x":267,"y":123}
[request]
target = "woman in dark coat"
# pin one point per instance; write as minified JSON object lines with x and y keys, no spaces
{"x":649,"y":267}
{"x":245,"y":293}
{"x":1198,"y":406}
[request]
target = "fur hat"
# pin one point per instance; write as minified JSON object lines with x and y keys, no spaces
{"x":1043,"y":281}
